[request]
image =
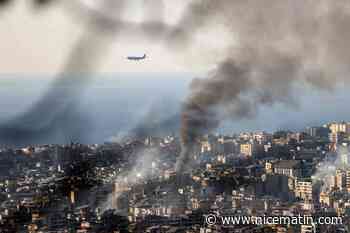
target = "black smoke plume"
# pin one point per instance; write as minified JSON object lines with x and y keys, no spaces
{"x":273,"y":48}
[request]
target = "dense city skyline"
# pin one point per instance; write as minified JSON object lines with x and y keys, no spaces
{"x":132,"y":186}
{"x":186,"y":116}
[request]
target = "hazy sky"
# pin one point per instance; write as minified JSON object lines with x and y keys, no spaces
{"x":36,"y":44}
{"x":39,"y":41}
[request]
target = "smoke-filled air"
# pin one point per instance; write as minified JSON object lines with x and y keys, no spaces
{"x":271,"y":48}
{"x":333,"y":165}
{"x":143,"y":170}
{"x":170,"y":171}
{"x":274,"y":48}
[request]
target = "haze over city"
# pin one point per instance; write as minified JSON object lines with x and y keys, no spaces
{"x":136,"y":93}
{"x":188,"y":116}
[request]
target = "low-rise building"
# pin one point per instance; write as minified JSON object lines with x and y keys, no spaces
{"x":291,"y":168}
{"x":303,"y":189}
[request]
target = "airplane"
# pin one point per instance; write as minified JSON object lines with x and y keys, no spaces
{"x":135,"y":58}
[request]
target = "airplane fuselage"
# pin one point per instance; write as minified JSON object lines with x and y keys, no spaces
{"x":135,"y":58}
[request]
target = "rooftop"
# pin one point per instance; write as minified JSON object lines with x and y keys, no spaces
{"x":287,"y":164}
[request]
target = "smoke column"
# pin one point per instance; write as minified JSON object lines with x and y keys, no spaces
{"x":326,"y":171}
{"x":141,"y":171}
{"x":273,"y":48}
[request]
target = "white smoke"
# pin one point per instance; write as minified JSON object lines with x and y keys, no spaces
{"x":326,"y":170}
{"x":144,"y":169}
